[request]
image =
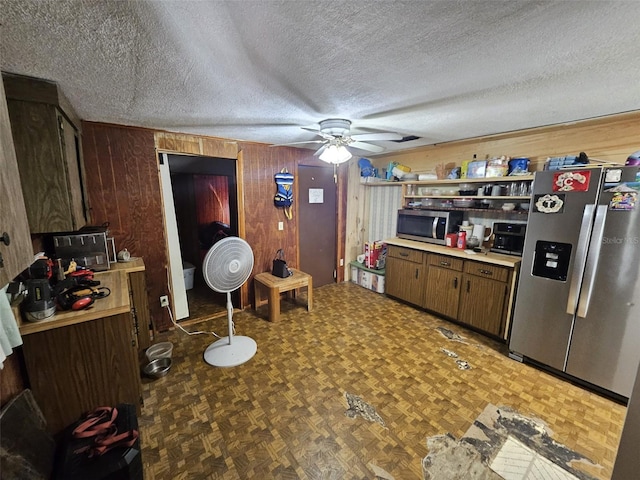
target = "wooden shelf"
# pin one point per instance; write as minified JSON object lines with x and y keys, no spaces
{"x":473,"y":197}
{"x":514,"y":178}
{"x":471,"y":209}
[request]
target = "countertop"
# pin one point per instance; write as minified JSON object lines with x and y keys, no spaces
{"x":511,"y":261}
{"x":116,"y":303}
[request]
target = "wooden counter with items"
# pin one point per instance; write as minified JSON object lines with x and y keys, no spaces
{"x":474,"y":289}
{"x":511,"y":261}
{"x":78,"y":360}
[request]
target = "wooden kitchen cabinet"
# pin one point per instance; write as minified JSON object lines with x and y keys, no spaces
{"x":444,"y":277}
{"x":46,"y":135}
{"x":79,"y":360}
{"x":405,"y":274}
{"x":18,"y":254}
{"x":78,"y":368}
{"x":138,"y":299}
{"x":477,"y":291}
{"x":483,"y":297}
{"x":482,"y":303}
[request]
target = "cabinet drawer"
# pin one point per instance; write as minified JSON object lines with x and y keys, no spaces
{"x":446,"y":262}
{"x":408,"y":254}
{"x":486,"y":270}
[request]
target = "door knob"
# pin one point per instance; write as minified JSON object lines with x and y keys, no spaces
{"x":5,"y":238}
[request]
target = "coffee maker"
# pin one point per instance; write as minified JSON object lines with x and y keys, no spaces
{"x":509,"y":238}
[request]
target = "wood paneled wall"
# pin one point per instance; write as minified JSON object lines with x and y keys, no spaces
{"x":610,"y":138}
{"x":261,"y":163}
{"x":196,"y":145}
{"x":124,"y":190}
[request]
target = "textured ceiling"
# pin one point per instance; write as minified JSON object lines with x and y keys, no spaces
{"x":258,"y":70}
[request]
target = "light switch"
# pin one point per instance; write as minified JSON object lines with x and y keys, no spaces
{"x":280,"y":225}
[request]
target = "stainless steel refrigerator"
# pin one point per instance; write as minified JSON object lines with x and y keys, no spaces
{"x":577,"y":308}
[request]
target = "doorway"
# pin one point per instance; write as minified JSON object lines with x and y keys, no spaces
{"x":206,"y":209}
{"x":318,"y":219}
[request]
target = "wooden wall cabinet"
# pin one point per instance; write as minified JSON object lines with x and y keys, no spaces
{"x":405,"y":274}
{"x":46,"y":136}
{"x":17,"y":254}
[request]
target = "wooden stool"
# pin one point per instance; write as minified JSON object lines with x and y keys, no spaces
{"x":276,"y":285}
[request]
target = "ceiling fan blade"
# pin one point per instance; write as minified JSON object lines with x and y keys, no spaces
{"x":296,"y":143}
{"x":320,"y":150}
{"x":367,"y":146}
{"x":377,"y":136}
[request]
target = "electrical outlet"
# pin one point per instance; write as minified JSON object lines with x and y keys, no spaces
{"x":164,"y":301}
{"x":280,"y":225}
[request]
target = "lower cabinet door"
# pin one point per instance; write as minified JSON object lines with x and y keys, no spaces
{"x":404,"y":280}
{"x":77,"y":368}
{"x":482,"y":302}
{"x":443,"y":291}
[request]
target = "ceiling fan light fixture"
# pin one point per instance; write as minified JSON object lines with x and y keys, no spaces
{"x":338,"y":127}
{"x":335,"y":154}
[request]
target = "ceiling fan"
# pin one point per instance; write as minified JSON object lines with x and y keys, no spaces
{"x":336,"y":137}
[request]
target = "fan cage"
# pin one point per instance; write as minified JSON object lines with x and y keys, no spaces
{"x":227,"y":264}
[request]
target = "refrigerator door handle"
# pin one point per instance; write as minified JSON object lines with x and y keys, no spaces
{"x":592,"y":261}
{"x":580,"y":259}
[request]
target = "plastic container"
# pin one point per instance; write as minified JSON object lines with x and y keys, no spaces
{"x":451,"y":240}
{"x":519,"y":166}
{"x":462,"y":240}
{"x":159,"y":350}
{"x":189,"y":271}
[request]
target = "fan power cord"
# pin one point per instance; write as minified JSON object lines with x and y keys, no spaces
{"x":186,"y":331}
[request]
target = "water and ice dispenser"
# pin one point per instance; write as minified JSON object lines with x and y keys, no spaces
{"x":551,"y":260}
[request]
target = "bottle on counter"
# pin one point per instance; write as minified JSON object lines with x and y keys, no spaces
{"x":462,"y":240}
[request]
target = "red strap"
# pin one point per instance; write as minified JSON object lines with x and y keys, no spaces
{"x":104,"y":443}
{"x":96,"y":422}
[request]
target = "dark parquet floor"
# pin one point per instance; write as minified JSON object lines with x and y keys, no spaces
{"x":282,"y":415}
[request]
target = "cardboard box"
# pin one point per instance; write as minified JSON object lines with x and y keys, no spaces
{"x":367,"y":279}
{"x":375,"y":254}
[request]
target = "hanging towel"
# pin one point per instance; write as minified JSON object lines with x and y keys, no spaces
{"x":9,"y":333}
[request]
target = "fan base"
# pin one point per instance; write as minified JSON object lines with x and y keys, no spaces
{"x":225,"y":354}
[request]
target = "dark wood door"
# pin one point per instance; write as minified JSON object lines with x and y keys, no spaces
{"x":317,"y":192}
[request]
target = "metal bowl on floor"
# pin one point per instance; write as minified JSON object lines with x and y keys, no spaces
{"x":157,"y":368}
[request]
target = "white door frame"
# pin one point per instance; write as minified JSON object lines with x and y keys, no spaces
{"x":180,"y":305}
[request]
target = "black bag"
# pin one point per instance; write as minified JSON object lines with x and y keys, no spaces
{"x":280,"y":268}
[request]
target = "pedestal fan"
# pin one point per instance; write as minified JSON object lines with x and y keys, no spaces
{"x":226,"y":267}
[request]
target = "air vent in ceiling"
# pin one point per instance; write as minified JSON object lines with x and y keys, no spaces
{"x":406,"y":139}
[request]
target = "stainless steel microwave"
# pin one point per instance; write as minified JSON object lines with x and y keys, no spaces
{"x":427,"y":225}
